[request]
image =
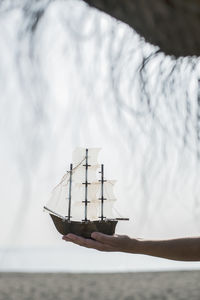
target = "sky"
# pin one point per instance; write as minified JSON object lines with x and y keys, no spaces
{"x":66,"y":97}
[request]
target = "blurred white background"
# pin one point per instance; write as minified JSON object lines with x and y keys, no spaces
{"x":72,"y":80}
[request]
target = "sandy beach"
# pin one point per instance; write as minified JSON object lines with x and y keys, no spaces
{"x":123,"y":286}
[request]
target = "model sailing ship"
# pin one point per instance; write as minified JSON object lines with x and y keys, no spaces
{"x":80,"y":203}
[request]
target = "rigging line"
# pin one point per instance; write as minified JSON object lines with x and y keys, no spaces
{"x":68,"y":172}
{"x":62,"y":180}
{"x":70,"y":193}
{"x":54,"y":213}
{"x":78,"y":165}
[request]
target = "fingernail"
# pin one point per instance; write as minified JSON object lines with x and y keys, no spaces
{"x":94,"y":235}
{"x":70,"y":236}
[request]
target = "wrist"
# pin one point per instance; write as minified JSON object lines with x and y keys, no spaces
{"x":147,"y":247}
{"x":141,"y":246}
{"x":135,"y":246}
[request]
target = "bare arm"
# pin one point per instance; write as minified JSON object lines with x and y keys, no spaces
{"x":183,"y":249}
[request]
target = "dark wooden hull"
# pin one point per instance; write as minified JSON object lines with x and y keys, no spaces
{"x":84,"y":229}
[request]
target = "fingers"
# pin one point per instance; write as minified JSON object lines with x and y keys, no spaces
{"x":103,"y":238}
{"x":88,"y":243}
{"x":103,"y":242}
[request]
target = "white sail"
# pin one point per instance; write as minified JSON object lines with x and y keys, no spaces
{"x":94,"y":210}
{"x":110,"y":199}
{"x":108,"y":209}
{"x":79,"y":174}
{"x":108,"y":190}
{"x":79,"y":155}
{"x":77,"y":211}
{"x":58,"y":202}
{"x":78,"y":206}
{"x":108,"y":187}
{"x":108,"y":203}
{"x":78,"y":193}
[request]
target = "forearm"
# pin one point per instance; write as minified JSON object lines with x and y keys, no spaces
{"x":183,"y":249}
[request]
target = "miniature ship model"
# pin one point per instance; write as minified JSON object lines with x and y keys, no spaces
{"x":80,"y":203}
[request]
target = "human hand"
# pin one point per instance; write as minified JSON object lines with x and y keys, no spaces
{"x":103,"y":242}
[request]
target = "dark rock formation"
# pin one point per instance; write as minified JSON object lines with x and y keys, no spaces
{"x":173,"y":25}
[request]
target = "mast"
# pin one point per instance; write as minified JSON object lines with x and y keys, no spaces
{"x":70,"y":193}
{"x":86,"y":184}
{"x":102,"y":192}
